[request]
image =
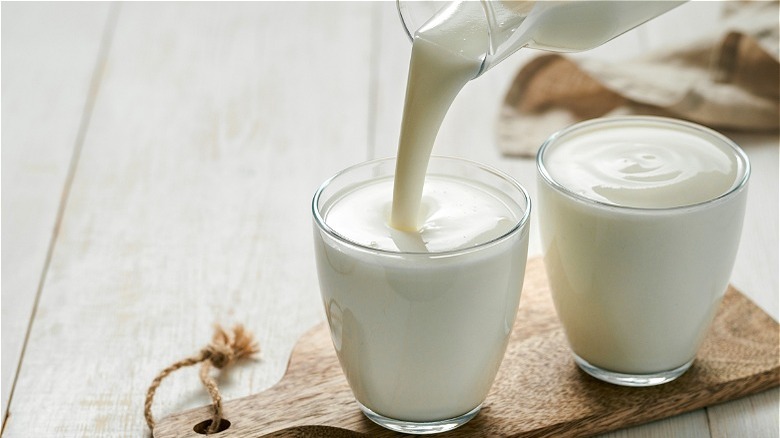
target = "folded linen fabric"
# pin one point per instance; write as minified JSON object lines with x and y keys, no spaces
{"x":728,"y":79}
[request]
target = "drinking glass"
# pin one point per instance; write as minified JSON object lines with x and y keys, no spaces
{"x":636,"y":288}
{"x":420,"y":335}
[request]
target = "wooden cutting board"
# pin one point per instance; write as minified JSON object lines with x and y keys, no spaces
{"x":539,"y":391}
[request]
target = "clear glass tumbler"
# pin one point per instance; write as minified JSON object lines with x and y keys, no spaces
{"x":420,"y":335}
{"x":636,"y":286}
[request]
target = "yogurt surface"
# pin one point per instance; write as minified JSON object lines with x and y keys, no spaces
{"x":636,"y":280}
{"x":643,"y":165}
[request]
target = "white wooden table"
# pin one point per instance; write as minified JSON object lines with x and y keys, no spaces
{"x":158,"y":162}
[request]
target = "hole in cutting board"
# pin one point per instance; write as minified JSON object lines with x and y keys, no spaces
{"x":203,"y":426}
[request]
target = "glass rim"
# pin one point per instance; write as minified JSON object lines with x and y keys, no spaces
{"x":520,"y":224}
{"x":710,"y":134}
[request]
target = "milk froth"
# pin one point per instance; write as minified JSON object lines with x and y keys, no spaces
{"x":454,"y":214}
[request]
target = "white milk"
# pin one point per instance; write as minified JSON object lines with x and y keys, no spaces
{"x":446,"y":54}
{"x":454,"y":214}
{"x":420,"y":320}
{"x":637,"y":286}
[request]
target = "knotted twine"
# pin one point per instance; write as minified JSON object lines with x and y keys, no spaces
{"x":225,"y":349}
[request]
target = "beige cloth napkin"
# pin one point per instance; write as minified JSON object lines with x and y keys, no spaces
{"x":729,"y":79}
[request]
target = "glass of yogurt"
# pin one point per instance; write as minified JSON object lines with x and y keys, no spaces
{"x":640,"y":220}
{"x":420,"y":319}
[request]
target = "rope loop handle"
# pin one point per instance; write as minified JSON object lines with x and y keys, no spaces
{"x":225,"y":349}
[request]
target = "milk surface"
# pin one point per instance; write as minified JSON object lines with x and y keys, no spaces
{"x":454,"y":214}
{"x":637,"y":286}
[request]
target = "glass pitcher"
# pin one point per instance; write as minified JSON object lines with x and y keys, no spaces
{"x":502,"y":27}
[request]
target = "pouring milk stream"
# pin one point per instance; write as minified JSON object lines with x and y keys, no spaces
{"x":465,"y":38}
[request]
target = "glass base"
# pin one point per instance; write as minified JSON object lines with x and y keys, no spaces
{"x":637,"y":380}
{"x":414,"y":428}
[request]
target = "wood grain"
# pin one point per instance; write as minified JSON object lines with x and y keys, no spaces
{"x":538,"y":392}
{"x":50,"y":54}
{"x":191,"y":205}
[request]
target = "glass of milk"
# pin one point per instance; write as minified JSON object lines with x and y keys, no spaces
{"x":640,"y":223}
{"x":420,"y":319}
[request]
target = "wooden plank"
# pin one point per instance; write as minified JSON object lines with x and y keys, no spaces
{"x":212,"y":128}
{"x":538,"y":392}
{"x":50,"y":52}
{"x":756,"y":415}
{"x":690,"y":425}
